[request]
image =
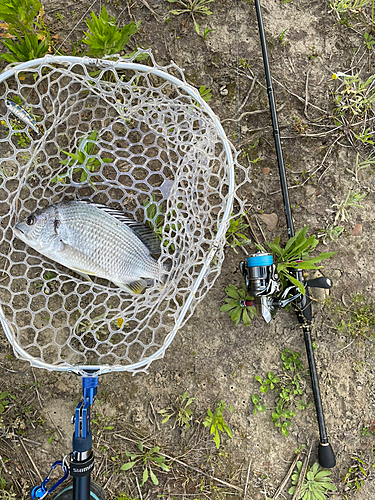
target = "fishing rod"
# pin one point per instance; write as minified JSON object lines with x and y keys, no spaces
{"x":262,"y":280}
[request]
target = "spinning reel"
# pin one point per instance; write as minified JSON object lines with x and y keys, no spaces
{"x":263,"y":283}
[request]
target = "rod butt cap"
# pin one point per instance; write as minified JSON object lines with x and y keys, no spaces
{"x":326,"y":457}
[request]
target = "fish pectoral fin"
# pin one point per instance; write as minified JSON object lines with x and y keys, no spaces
{"x":134,"y":286}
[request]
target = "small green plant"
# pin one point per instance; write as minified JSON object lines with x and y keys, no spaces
{"x":368,"y":41}
{"x":342,"y":6}
{"x":351,"y":200}
{"x":316,"y":484}
{"x":281,"y":36}
{"x":217,"y":423}
{"x":239,"y":305}
{"x":357,"y":474}
{"x":205,"y":93}
{"x":356,"y":320}
{"x":182,"y":414}
{"x":288,"y":386}
{"x":332,"y":233}
{"x":150,"y":459}
{"x":353,"y":98}
{"x":156,"y":218}
{"x":4,"y":400}
{"x":125,"y":497}
{"x":84,"y":162}
{"x":26,"y":35}
{"x":207,"y":30}
{"x":192,"y":7}
{"x":105,"y":37}
{"x":234,"y":235}
{"x":361,"y":165}
{"x":295,"y":255}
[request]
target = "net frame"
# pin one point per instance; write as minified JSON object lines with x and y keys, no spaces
{"x":216,"y":245}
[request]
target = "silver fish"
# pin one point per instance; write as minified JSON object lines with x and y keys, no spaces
{"x":95,"y":240}
{"x":23,"y":115}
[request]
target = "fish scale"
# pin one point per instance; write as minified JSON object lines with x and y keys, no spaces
{"x":94,"y":240}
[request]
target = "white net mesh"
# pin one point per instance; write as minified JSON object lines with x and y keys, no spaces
{"x":153,"y":148}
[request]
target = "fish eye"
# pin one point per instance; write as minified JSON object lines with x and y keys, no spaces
{"x":30,"y":220}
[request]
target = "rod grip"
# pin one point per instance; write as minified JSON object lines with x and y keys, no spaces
{"x":326,"y":456}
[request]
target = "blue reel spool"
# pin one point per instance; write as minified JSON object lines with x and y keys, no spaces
{"x":260,"y":260}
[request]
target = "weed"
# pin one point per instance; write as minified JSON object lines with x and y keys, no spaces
{"x":359,"y":166}
{"x":356,"y":320}
{"x":4,"y":494}
{"x":4,"y":400}
{"x":354,"y":97}
{"x":24,"y":21}
{"x":316,"y":484}
{"x":217,"y":423}
{"x":207,"y":31}
{"x":125,"y":497}
{"x":358,"y":472}
{"x":332,"y":232}
{"x":351,"y":200}
{"x":105,"y":37}
{"x":150,"y":459}
{"x":86,"y":157}
{"x":288,"y":388}
{"x":156,"y":221}
{"x":192,"y":7}
{"x":234,"y":235}
{"x":295,"y":256}
{"x":239,"y":305}
{"x":205,"y":93}
{"x":342,"y":6}
{"x":183,"y":415}
{"x":281,"y":37}
{"x":368,"y":40}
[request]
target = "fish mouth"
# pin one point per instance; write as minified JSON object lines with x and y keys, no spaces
{"x":18,"y":231}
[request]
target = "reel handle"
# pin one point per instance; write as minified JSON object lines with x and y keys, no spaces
{"x":321,"y":282}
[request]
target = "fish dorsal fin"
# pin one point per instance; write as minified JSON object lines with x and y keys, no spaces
{"x":143,"y":232}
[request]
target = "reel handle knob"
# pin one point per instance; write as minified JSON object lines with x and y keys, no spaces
{"x":321,"y":282}
{"x":326,"y":457}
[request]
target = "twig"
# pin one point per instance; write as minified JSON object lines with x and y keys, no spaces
{"x":183,"y":464}
{"x":247,"y":479}
{"x":55,"y":426}
{"x":256,"y":112}
{"x":286,"y":478}
{"x":157,"y":17}
{"x":153,"y":412}
{"x":138,"y":488}
{"x":260,"y":228}
{"x":307,"y":94}
{"x":247,"y":95}
{"x":36,"y":388}
{"x":2,"y":463}
{"x":251,"y":229}
{"x":302,"y":474}
{"x":31,"y":460}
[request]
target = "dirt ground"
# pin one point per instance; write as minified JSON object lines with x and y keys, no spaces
{"x":211,"y":358}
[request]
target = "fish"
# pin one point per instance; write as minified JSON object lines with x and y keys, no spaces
{"x":95,"y":240}
{"x":23,"y":115}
